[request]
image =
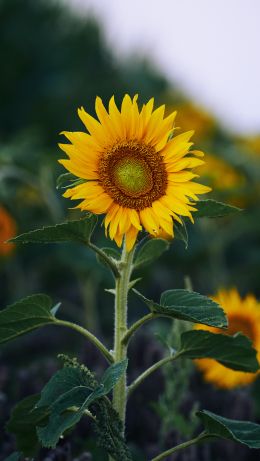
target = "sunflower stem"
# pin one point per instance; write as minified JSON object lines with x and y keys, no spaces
{"x":120,"y":349}
{"x":149,"y":371}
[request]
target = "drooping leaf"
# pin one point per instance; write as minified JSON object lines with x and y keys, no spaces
{"x":235,"y":352}
{"x":22,"y":423}
{"x":77,"y":231}
{"x":108,"y":429}
{"x":150,"y":251}
{"x":187,"y":305}
{"x":180,"y":233}
{"x":68,"y":395}
{"x":243,"y":432}
{"x":25,"y":315}
{"x":213,"y":209}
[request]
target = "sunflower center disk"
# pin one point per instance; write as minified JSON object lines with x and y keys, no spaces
{"x":133,"y":176}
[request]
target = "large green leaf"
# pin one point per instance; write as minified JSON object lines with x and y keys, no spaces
{"x":23,"y":421}
{"x":243,"y":432}
{"x":213,"y":209}
{"x":234,"y":352}
{"x":187,"y":305}
{"x":70,"y":389}
{"x":78,"y":231}
{"x":150,"y":251}
{"x":25,"y":315}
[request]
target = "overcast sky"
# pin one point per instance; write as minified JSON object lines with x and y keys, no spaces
{"x":210,"y":47}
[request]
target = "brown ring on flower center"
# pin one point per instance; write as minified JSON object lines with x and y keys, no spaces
{"x":133,"y":174}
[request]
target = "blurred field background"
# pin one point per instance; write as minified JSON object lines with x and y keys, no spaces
{"x":55,"y":58}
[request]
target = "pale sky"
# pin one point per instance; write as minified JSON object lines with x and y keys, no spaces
{"x":209,"y":47}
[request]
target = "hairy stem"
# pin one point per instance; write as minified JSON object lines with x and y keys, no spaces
{"x":169,"y":452}
{"x":149,"y":371}
{"x":120,"y":349}
{"x":92,"y":338}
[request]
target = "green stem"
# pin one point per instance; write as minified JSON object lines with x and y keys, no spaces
{"x":149,"y":371}
{"x":137,"y":325}
{"x":120,"y":349}
{"x":166,"y":453}
{"x":87,"y":335}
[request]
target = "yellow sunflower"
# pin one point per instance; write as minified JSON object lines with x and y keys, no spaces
{"x":243,"y":316}
{"x":7,"y":231}
{"x":133,"y":170}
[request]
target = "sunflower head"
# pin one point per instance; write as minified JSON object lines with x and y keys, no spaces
{"x":134,"y":170}
{"x":244,"y":317}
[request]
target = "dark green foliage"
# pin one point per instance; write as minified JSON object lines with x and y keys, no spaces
{"x":187,"y":305}
{"x":69,"y":394}
{"x":108,"y":429}
{"x":149,"y":252}
{"x":23,"y":421}
{"x":13,"y":457}
{"x":243,"y":432}
{"x":181,"y":233}
{"x":213,"y":209}
{"x":63,"y":401}
{"x":235,"y":352}
{"x":77,"y":231}
{"x":25,"y":315}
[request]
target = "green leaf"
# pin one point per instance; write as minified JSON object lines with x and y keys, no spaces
{"x":112,"y":375}
{"x":187,"y":305}
{"x":180,"y":233}
{"x":213,"y":209}
{"x":68,"y":395}
{"x":25,"y":315}
{"x":243,"y":432}
{"x":13,"y":457}
{"x":150,"y":251}
{"x":78,"y":231}
{"x":22,"y":423}
{"x":235,"y":352}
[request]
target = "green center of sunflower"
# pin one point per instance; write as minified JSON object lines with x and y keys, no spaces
{"x":133,"y":174}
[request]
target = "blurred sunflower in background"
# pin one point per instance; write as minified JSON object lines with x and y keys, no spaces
{"x":133,"y":169}
{"x":243,"y":316}
{"x":7,"y":231}
{"x":220,"y":174}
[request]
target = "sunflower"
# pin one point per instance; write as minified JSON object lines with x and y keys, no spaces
{"x":133,"y":169}
{"x":243,"y":316}
{"x":7,"y":231}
